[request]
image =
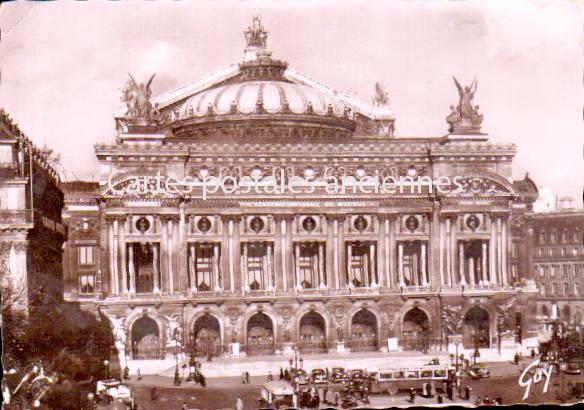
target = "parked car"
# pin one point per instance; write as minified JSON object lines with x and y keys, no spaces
{"x":338,"y":375}
{"x":479,"y":371}
{"x":299,"y":376}
{"x":318,"y":376}
{"x":114,"y":390}
{"x":573,"y":368}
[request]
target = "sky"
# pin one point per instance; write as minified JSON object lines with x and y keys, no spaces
{"x":63,"y":65}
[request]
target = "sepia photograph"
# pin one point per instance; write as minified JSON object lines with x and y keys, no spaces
{"x":291,"y":205}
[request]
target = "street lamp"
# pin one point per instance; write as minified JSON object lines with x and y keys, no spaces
{"x":106,"y":364}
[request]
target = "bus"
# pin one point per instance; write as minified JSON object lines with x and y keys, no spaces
{"x":403,"y":378}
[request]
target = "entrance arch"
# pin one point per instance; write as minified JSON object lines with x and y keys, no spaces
{"x":476,"y":328}
{"x":364,"y":332}
{"x":260,"y":334}
{"x":312,"y":333}
{"x":146,"y":342}
{"x":206,"y":336}
{"x":416,"y":330}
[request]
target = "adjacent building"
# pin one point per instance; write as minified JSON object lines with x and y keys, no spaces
{"x":31,"y":202}
{"x":558,"y":265}
{"x":207,"y":252}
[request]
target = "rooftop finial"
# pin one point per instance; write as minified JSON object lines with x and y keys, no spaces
{"x":255,"y":35}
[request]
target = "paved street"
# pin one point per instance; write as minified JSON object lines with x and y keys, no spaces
{"x":222,"y":392}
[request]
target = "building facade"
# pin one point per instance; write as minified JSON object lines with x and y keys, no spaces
{"x":558,"y":266}
{"x":238,"y":236}
{"x":31,"y":202}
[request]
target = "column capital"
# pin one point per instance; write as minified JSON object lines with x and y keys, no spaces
{"x":169,"y":217}
{"x":337,"y":217}
{"x":232,"y":217}
{"x":284,"y":217}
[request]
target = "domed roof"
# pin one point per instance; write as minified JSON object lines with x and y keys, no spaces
{"x":274,"y":97}
{"x":261,"y":97}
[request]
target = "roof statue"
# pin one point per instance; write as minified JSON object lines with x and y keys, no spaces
{"x":139,"y":109}
{"x":381,"y":95}
{"x":255,"y":34}
{"x":465,"y":117}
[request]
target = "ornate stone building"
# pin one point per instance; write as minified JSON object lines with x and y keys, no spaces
{"x":31,"y":201}
{"x":557,"y":257}
{"x":209,"y":265}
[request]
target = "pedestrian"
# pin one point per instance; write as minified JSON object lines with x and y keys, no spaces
{"x":412,"y":395}
{"x":532,"y":354}
{"x":440,"y":399}
{"x":281,"y":373}
{"x":516,"y":358}
{"x":270,"y":376}
{"x":239,"y":404}
{"x":243,"y":380}
{"x":184,"y":407}
{"x":246,"y":377}
{"x":286,"y":375}
{"x":153,"y":394}
{"x":138,"y":374}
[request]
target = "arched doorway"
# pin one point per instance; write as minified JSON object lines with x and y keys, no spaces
{"x":146,"y":342}
{"x":416,"y":330}
{"x":476,"y":329}
{"x":206,"y":336}
{"x":312,"y":334}
{"x":364,"y":332}
{"x":260,"y":335}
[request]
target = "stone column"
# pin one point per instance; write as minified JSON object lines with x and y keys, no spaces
{"x":112,"y":247}
{"x":122,"y":253}
{"x":341,"y":249}
{"x":336,"y":260}
{"x":330,"y":252}
{"x":226,"y":255}
{"x":164,"y":253}
{"x":500,"y":252}
{"x":217,"y":282}
{"x":441,"y":252}
{"x":423,"y":264}
{"x":284,"y":253}
{"x":461,"y":263}
{"x":504,"y":250}
{"x":278,"y":247}
{"x":102,"y":281}
{"x":131,"y":269}
{"x":484,"y":262}
{"x":192,"y":269}
{"x":182,"y":283}
{"x":321,"y":270}
{"x":453,"y":246}
{"x":471,"y":271}
{"x":448,"y":250}
{"x":348,"y":268}
{"x":372,"y":267}
{"x":170,"y":254}
{"x":381,"y":250}
{"x":156,"y":265}
{"x":493,"y":252}
{"x":289,"y":251}
{"x":400,"y":264}
{"x":269,"y":264}
{"x":297,"y":264}
{"x":243,"y":264}
{"x":392,"y":225}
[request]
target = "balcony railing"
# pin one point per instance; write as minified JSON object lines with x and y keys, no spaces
{"x":21,"y":216}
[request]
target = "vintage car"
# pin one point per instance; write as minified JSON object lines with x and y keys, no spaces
{"x":573,"y":368}
{"x":479,"y":371}
{"x":318,"y":376}
{"x":277,"y":393}
{"x":338,"y":375}
{"x":114,"y":390}
{"x":300,"y":376}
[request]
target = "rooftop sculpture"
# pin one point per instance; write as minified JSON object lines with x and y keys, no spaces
{"x":465,"y":118}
